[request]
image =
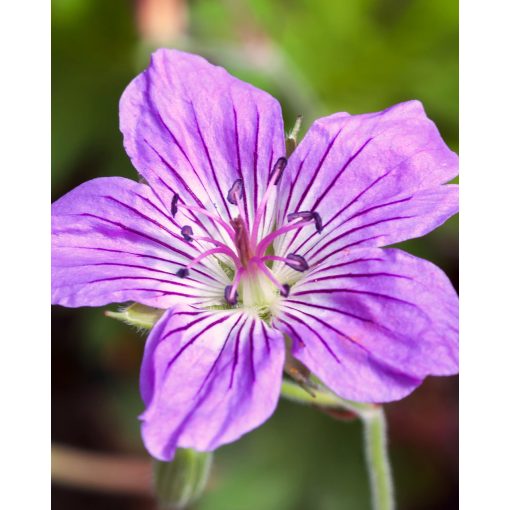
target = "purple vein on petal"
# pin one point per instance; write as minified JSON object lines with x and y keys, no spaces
{"x":179,"y":146}
{"x":252,"y":351}
{"x":148,"y":278}
{"x":255,"y":161}
{"x":146,"y":268}
{"x":355,"y":291}
{"x":192,"y":341}
{"x":339,"y":174}
{"x":206,"y":149}
{"x":197,"y":220}
{"x":266,"y":338}
{"x":145,"y":217}
{"x":142,"y":255}
{"x":336,"y":215}
{"x":152,"y":290}
{"x":136,"y":232}
{"x":375,"y":207}
{"x":321,"y":339}
{"x":351,"y":231}
{"x":342,"y":264}
{"x":330,"y":309}
{"x":203,"y":317}
{"x":317,"y":169}
{"x":175,"y":173}
{"x":329,"y":326}
{"x":293,"y":184}
{"x":240,"y":163}
{"x":356,"y":275}
{"x":350,"y":245}
{"x":236,"y":354}
{"x":213,"y":366}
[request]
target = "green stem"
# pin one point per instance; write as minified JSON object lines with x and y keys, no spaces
{"x":374,"y":425}
{"x":376,"y":453}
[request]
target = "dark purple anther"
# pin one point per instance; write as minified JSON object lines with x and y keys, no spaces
{"x":183,"y":272}
{"x":278,"y":169}
{"x":173,"y":207}
{"x":187,"y":233}
{"x":230,"y":300}
{"x":301,"y":215}
{"x":297,"y":262}
{"x":307,"y":216}
{"x":284,"y":291}
{"x":318,"y":221}
{"x":235,"y":192}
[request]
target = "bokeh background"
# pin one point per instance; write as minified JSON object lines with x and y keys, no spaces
{"x":317,"y":57}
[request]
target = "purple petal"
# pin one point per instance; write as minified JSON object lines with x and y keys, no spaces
{"x":377,"y":174}
{"x":207,"y":378}
{"x":113,"y":241}
{"x":191,"y":128}
{"x":373,"y":325}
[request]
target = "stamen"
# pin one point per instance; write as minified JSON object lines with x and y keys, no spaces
{"x":234,"y":196}
{"x":264,"y":243}
{"x":213,"y":217}
{"x":307,"y":215}
{"x":173,"y":207}
{"x":235,"y":193}
{"x":231,"y":295}
{"x":293,"y":260}
{"x":187,"y":233}
{"x":297,"y":262}
{"x":274,"y":179}
{"x":277,"y":172}
{"x":284,"y":289}
{"x":183,"y":272}
{"x":318,"y":222}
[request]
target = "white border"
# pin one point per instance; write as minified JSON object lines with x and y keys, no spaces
{"x":25,"y":262}
{"x":485,"y":255}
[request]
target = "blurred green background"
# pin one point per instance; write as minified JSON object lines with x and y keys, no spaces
{"x":317,"y":57}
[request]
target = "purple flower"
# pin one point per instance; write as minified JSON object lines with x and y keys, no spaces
{"x":243,"y":248}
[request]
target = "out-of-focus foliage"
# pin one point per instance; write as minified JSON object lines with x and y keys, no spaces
{"x":317,"y":57}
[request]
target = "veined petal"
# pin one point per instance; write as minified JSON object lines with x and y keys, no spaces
{"x":403,"y":217}
{"x":374,"y":324}
{"x":380,"y":173}
{"x":113,"y":241}
{"x":191,"y":128}
{"x":207,"y":378}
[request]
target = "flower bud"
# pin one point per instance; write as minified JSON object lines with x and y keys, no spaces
{"x":140,"y":316}
{"x":181,"y":482}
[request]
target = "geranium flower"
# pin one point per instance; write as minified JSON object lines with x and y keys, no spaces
{"x":244,"y":249}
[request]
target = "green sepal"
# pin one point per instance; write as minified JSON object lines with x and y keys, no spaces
{"x":181,"y":482}
{"x":291,"y":140}
{"x":140,"y":316}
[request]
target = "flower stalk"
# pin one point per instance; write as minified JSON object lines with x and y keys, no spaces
{"x":374,"y":426}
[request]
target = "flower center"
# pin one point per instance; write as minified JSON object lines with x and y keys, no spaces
{"x":254,"y":283}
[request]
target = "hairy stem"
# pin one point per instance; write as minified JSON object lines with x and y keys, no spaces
{"x":374,"y":425}
{"x":376,"y":454}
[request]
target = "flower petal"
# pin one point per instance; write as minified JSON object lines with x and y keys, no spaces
{"x":190,"y":127}
{"x":373,"y":325}
{"x":113,"y":241}
{"x":207,"y":378}
{"x":375,"y":179}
